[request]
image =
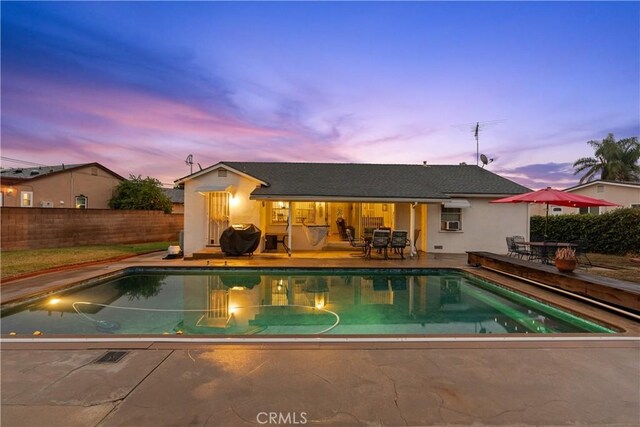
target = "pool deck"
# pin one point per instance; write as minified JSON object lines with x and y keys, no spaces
{"x":489,"y":382}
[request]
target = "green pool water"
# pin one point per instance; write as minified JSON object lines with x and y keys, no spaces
{"x":293,"y":302}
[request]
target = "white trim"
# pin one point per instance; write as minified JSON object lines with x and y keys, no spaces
{"x":215,"y":188}
{"x":293,"y":198}
{"x":457,"y":203}
{"x":482,"y":195}
{"x":216,"y":167}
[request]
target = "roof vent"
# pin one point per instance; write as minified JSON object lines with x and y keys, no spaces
{"x":424,"y":163}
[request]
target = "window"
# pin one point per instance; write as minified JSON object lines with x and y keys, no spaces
{"x":82,"y":202}
{"x":279,"y":212}
{"x":635,"y":205}
{"x":1,"y":199}
{"x":26,"y":199}
{"x":594,"y":210}
{"x":309,"y":212}
{"x":451,"y":219}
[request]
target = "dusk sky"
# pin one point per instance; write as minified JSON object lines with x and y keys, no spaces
{"x":139,"y":86}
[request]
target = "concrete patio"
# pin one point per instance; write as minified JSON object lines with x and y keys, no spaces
{"x":221,"y":386}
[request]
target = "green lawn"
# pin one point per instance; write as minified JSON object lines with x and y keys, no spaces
{"x":616,"y":267}
{"x":15,"y":263}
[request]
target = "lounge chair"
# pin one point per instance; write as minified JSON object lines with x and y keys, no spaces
{"x":399,"y":241}
{"x":380,"y":240}
{"x":342,"y":229}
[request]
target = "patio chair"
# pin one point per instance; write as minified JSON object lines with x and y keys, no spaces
{"x":536,"y":253}
{"x":581,"y":253}
{"x":368,"y":233}
{"x":519,"y":248}
{"x":380,"y":283}
{"x":399,"y":283}
{"x":399,"y":241}
{"x":380,"y":240}
{"x":511,"y":247}
{"x":361,"y":244}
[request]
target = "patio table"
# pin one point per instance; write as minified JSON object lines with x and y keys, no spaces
{"x":544,"y":252}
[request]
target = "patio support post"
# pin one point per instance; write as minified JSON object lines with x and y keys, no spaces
{"x":290,"y":223}
{"x":412,"y":228}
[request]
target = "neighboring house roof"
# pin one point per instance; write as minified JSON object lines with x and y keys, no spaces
{"x":630,"y":184}
{"x":371,"y":181}
{"x":23,"y":174}
{"x":175,"y":194}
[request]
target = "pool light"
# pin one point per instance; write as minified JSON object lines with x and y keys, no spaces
{"x":54,"y":301}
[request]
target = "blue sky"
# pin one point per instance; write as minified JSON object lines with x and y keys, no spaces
{"x":139,"y":86}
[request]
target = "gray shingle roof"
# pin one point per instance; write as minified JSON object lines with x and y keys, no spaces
{"x":20,"y":174}
{"x":388,"y":181}
{"x":29,"y":173}
{"x":175,"y":194}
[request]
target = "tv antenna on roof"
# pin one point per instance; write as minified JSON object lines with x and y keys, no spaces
{"x":189,"y":162}
{"x":476,"y":128}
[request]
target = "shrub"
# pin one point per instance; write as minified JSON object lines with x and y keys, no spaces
{"x":140,"y":194}
{"x":616,"y":232}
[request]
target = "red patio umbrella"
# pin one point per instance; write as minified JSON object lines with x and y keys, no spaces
{"x":550,"y":196}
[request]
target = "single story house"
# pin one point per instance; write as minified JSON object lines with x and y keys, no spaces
{"x":444,"y":208}
{"x":177,"y":199}
{"x":81,"y":186}
{"x":624,"y":193}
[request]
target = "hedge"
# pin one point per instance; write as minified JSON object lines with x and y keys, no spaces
{"x":616,"y":232}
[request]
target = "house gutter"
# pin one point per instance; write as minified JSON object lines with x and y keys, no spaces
{"x":295,"y":198}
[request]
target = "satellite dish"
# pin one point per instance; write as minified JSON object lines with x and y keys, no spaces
{"x":189,"y":162}
{"x":485,"y":161}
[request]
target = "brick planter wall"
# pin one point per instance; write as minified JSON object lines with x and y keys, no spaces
{"x":36,"y":228}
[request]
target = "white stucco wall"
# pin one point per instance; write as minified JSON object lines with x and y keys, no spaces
{"x":242,"y":210}
{"x":484,"y":227}
{"x":403,"y":221}
{"x":624,"y":196}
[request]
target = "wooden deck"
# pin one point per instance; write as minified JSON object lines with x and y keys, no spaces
{"x":612,"y":291}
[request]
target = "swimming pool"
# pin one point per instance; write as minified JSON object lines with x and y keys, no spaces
{"x":242,"y":302}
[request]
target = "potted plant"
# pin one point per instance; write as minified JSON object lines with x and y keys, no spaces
{"x":566,"y":260}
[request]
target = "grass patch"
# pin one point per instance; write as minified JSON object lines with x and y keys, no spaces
{"x":15,"y":263}
{"x":615,"y":266}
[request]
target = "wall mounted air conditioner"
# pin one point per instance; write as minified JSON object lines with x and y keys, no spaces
{"x":46,"y":204}
{"x":452,"y":225}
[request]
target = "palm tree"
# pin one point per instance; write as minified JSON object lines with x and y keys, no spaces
{"x":614,"y":160}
